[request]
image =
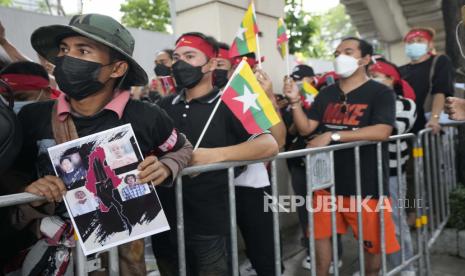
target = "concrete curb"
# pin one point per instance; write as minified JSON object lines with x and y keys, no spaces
{"x":450,"y":242}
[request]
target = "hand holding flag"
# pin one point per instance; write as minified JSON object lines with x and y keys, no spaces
{"x":247,"y":100}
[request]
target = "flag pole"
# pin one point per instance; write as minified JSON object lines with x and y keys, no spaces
{"x":259,"y":57}
{"x":239,"y":67}
{"x":207,"y":124}
{"x":287,"y":58}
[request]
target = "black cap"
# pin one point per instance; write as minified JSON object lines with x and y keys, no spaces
{"x":302,"y":71}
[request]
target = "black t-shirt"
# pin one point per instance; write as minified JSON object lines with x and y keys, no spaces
{"x":293,"y":141}
{"x":418,"y":76}
{"x":370,"y":104}
{"x":206,"y":195}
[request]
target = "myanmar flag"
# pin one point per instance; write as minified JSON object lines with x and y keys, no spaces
{"x":282,"y":38}
{"x":247,"y":100}
{"x":308,"y":94}
{"x":246,"y":37}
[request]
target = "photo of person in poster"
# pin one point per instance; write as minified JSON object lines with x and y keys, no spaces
{"x":71,"y":169}
{"x":132,"y":188}
{"x":81,"y":202}
{"x":104,"y":198}
{"x":120,"y":156}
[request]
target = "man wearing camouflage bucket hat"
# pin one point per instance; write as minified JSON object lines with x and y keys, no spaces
{"x":94,"y":68}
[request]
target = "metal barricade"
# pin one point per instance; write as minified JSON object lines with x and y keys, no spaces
{"x":438,"y":177}
{"x":436,"y":164}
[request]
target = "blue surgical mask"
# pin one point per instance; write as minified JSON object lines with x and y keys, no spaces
{"x":416,"y":50}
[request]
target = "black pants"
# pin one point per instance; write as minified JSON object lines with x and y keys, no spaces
{"x":256,"y":227}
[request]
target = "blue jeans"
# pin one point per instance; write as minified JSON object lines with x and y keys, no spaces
{"x":395,"y":259}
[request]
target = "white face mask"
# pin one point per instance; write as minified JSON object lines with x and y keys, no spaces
{"x":345,"y":66}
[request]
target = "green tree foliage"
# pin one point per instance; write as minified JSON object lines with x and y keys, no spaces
{"x":152,"y":15}
{"x":301,"y":27}
{"x":313,"y":35}
{"x":6,"y":3}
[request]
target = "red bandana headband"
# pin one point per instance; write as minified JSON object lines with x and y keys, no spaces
{"x":21,"y":82}
{"x":251,"y":61}
{"x":197,"y":43}
{"x":391,"y":72}
{"x":386,"y":69}
{"x":418,"y":33}
{"x":223,"y":53}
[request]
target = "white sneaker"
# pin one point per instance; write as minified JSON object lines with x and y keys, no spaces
{"x":307,"y":264}
{"x":246,"y":269}
{"x":331,"y":267}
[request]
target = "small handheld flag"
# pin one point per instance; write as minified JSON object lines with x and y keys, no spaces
{"x":248,"y":101}
{"x":282,"y":38}
{"x":246,"y":37}
{"x":308,"y":94}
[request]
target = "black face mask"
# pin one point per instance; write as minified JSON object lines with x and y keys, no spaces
{"x":162,"y":70}
{"x":77,"y":78}
{"x":186,"y":75}
{"x":220,"y":77}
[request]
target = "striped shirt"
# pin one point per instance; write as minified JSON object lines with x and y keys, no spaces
{"x":406,"y":113}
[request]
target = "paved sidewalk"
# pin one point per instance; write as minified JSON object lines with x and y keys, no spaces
{"x":294,"y":253}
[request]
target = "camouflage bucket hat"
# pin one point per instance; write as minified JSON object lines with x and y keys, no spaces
{"x":101,"y":28}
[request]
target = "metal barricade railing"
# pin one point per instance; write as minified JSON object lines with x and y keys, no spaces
{"x":438,"y":177}
{"x":423,"y":189}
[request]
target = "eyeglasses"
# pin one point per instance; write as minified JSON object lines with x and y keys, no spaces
{"x":343,"y":99}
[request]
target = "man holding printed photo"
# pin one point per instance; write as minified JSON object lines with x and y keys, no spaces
{"x":94,"y":68}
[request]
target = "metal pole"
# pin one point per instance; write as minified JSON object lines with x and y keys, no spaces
{"x":113,"y":261}
{"x":276,"y":242}
{"x":435,"y":181}
{"x":427,"y":170}
{"x":419,"y":190}
{"x":379,"y":155}
{"x":180,"y":228}
{"x":311,"y":229}
{"x":358,"y":186}
{"x":80,"y":260}
{"x":333,"y":218}
{"x":400,"y":194}
{"x":442,"y":184}
{"x":233,"y":222}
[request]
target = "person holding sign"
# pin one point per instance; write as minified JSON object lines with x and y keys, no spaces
{"x":94,"y":68}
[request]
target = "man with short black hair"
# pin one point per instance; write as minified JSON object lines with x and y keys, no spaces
{"x":93,"y":63}
{"x":206,"y":195}
{"x":355,"y":109}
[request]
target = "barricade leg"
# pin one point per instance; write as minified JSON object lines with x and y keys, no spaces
{"x":180,"y":228}
{"x":233,"y":223}
{"x":276,"y":238}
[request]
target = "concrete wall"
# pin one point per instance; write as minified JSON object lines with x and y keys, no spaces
{"x":20,"y":24}
{"x":396,"y":53}
{"x":221,"y":19}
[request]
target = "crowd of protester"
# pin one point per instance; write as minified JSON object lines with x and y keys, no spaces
{"x":87,"y":81}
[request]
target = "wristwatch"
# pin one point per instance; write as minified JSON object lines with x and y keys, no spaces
{"x":335,"y":137}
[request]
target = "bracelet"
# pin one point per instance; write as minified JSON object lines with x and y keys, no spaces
{"x":435,"y":116}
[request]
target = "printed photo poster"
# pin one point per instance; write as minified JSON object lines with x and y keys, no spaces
{"x":107,"y":205}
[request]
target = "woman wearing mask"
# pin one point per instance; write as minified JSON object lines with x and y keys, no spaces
{"x":387,"y":73}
